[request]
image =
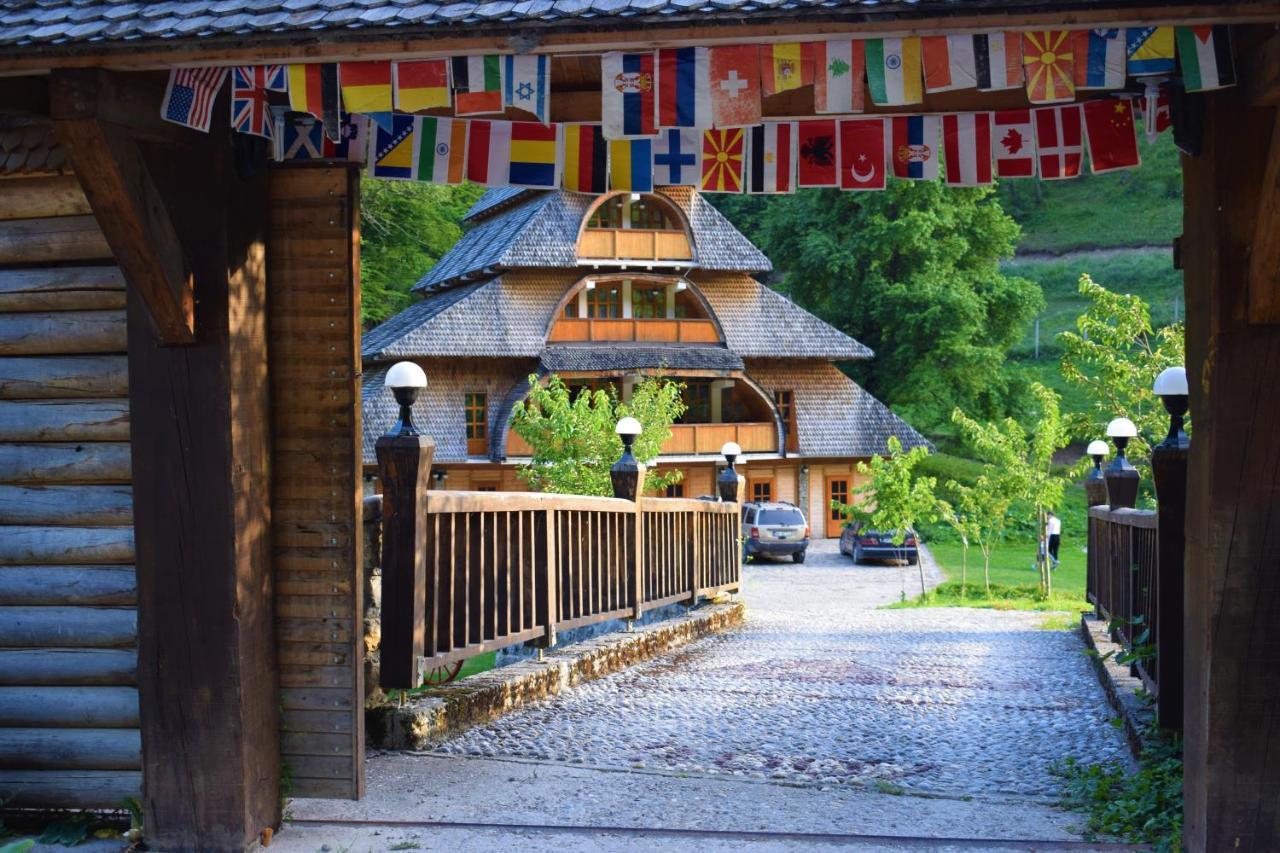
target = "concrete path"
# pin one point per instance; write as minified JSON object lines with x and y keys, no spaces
{"x":824,"y":721}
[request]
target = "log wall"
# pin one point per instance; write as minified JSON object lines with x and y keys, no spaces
{"x":69,"y":732}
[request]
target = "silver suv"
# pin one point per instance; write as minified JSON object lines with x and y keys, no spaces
{"x":775,"y":528}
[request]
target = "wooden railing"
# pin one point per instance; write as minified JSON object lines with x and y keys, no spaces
{"x":1123,"y":578}
{"x":654,"y":330}
{"x":691,"y":439}
{"x":634,"y":243}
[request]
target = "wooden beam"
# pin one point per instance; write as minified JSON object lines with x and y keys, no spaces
{"x":1264,"y":256}
{"x":1260,"y":73}
{"x":128,"y":207}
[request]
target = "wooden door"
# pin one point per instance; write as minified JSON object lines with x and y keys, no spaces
{"x":838,"y":486}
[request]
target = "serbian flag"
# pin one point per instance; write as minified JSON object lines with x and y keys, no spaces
{"x":366,"y":86}
{"x":586,"y":159}
{"x":394,"y":149}
{"x":684,"y":87}
{"x":631,"y":165}
{"x":786,"y":66}
{"x":477,"y":84}
{"x":1205,"y":55}
{"x":1099,"y":58}
{"x":1050,"y":66}
{"x":723,"y":152}
{"x":629,"y":95}
{"x":838,"y":74}
{"x":1015,"y":147}
{"x":489,"y":152}
{"x":913,"y":148}
{"x":1059,"y":141}
{"x":314,"y":89}
{"x":818,"y":151}
{"x":735,"y":86}
{"x":771,"y":156}
{"x":949,"y":63}
{"x":442,"y":150}
{"x":862,"y":154}
{"x":677,"y":157}
{"x":1150,"y":50}
{"x":420,"y":85}
{"x":1112,"y":134}
{"x":966,"y":146}
{"x":997,"y":60}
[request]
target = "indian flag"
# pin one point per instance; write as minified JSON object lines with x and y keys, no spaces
{"x":893,"y":71}
{"x":1205,"y":54}
{"x":441,"y":154}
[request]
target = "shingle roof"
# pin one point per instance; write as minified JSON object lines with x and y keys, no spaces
{"x":28,"y":147}
{"x":835,"y":416}
{"x":593,"y":357}
{"x":492,"y":198}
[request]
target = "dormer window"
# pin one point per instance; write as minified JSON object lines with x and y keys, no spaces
{"x":635,"y":211}
{"x":635,"y":226}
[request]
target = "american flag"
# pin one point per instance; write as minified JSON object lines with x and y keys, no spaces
{"x":250,"y":109}
{"x":189,"y":97}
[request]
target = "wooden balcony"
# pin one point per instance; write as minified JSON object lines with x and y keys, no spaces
{"x":692,"y":439}
{"x":572,"y":329}
{"x":634,"y":244}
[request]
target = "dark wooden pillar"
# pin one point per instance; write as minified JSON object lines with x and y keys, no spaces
{"x":1232,"y":654}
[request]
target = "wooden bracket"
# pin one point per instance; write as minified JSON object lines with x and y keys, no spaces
{"x":1259,"y":74}
{"x":1264,"y":256}
{"x":94,"y":117}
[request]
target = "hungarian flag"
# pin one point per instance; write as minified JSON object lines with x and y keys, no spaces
{"x":786,"y":66}
{"x":735,"y":86}
{"x":1205,"y":55}
{"x":314,"y":89}
{"x":839,"y":69}
{"x":818,"y":153}
{"x":893,"y":71}
{"x":1150,"y":50}
{"x":949,"y":63}
{"x":442,"y":150}
{"x":1112,"y":134}
{"x":1059,"y":141}
{"x":366,"y":86}
{"x":997,"y":59}
{"x":489,"y":152}
{"x":1015,"y":147}
{"x":1050,"y":67}
{"x":684,"y":87}
{"x":1099,"y":58}
{"x":535,"y":150}
{"x":526,"y":84}
{"x":586,"y":159}
{"x":771,"y":154}
{"x":477,"y":84}
{"x":723,"y":152}
{"x":631,"y":165}
{"x":862,"y":155}
{"x":677,"y":157}
{"x":966,"y":146}
{"x":629,"y":93}
{"x":420,"y":85}
{"x":913,"y":147}
{"x":394,"y":149}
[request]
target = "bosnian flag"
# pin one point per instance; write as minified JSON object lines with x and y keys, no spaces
{"x":489,"y":153}
{"x":1100,"y":58}
{"x":1014,"y":144}
{"x":997,"y":59}
{"x":628,"y":92}
{"x":966,"y":145}
{"x":1059,"y":141}
{"x":948,"y":63}
{"x":771,"y":158}
{"x":839,"y":69}
{"x":1205,"y":54}
{"x":913,"y":147}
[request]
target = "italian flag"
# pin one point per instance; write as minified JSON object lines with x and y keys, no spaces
{"x":1205,"y":54}
{"x":893,"y":71}
{"x":440,"y":157}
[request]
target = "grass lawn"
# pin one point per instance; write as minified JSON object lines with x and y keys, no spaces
{"x":1013,"y":579}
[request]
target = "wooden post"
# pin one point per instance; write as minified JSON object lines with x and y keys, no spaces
{"x":1169,"y":470}
{"x":547,"y":606}
{"x":404,"y":469}
{"x":627,"y":476}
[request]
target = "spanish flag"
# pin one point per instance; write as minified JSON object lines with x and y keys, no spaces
{"x":784,"y":67}
{"x":314,"y":89}
{"x":421,"y":85}
{"x":366,"y":86}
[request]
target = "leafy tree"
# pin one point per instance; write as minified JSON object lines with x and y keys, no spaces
{"x":963,"y":522}
{"x":405,"y":227}
{"x":573,"y":438}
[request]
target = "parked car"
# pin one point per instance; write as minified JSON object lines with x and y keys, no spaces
{"x":775,"y":528}
{"x":863,"y":544}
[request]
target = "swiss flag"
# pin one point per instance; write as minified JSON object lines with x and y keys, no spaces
{"x":1112,"y":134}
{"x":862,"y":154}
{"x":735,"y":86}
{"x":818,"y":153}
{"x":1014,"y":144}
{"x":1059,"y":141}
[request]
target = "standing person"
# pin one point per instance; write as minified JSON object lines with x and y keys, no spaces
{"x":1054,"y":528}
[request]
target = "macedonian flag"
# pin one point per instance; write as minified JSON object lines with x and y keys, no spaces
{"x":1049,"y":62}
{"x":722,"y":160}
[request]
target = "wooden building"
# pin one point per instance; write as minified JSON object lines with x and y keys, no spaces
{"x":607,"y":289}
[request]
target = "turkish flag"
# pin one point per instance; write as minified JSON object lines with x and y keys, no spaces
{"x":1112,"y":134}
{"x":818,"y":153}
{"x":735,"y":86}
{"x":1014,"y":144}
{"x":862,"y":157}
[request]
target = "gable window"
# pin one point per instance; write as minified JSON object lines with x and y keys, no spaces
{"x":785,"y":401}
{"x":476,"y":410}
{"x":648,"y":303}
{"x":640,"y":211}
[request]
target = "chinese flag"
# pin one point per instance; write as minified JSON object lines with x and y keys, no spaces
{"x":819,"y":152}
{"x":1112,"y":134}
{"x":862,"y":155}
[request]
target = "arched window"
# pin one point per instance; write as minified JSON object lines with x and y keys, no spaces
{"x":635,"y":210}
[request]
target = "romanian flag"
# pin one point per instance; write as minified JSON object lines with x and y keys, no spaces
{"x":534,"y":148}
{"x":585,"y":159}
{"x":631,"y":165}
{"x":723,"y":152}
{"x":314,"y":89}
{"x":366,"y":86}
{"x":421,"y":85}
{"x":784,"y":67}
{"x":1050,"y":65}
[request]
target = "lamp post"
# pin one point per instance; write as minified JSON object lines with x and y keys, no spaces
{"x":627,"y":474}
{"x":1171,"y":388}
{"x":1121,"y":476}
{"x":405,"y":379}
{"x":439,"y":476}
{"x":728,"y":483}
{"x":1169,"y":470}
{"x":1095,"y":485}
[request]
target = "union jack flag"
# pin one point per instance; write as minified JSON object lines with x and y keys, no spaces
{"x":250,"y":109}
{"x":188,"y":99}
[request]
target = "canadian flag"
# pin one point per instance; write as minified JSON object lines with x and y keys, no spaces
{"x":966,"y":147}
{"x":1059,"y":141}
{"x":1014,"y":144}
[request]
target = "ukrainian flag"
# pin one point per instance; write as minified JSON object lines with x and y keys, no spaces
{"x":631,"y":165}
{"x":533,"y":155}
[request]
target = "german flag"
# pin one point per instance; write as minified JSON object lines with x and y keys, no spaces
{"x":585,"y":159}
{"x":366,"y":86}
{"x":421,"y":85}
{"x":314,"y":89}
